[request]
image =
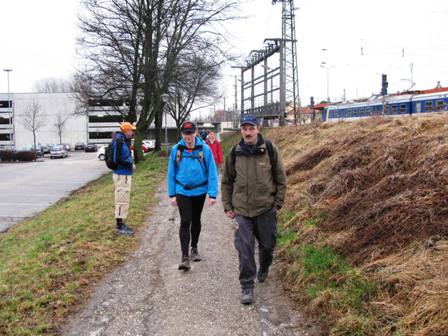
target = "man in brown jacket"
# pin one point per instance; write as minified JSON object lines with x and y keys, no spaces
{"x":253,"y":189}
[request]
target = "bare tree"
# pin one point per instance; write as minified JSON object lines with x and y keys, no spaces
{"x":194,"y":83}
{"x":51,"y":85}
{"x":112,"y":49}
{"x":59,"y":124}
{"x":132,"y":49}
{"x":33,"y":119}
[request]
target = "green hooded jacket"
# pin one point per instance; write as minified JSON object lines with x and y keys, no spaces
{"x":250,"y":186}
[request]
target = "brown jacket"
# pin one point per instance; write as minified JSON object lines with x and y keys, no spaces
{"x":249,"y":186}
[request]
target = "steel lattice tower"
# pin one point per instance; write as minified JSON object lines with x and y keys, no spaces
{"x":290,"y":56}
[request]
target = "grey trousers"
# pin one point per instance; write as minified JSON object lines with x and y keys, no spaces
{"x":264,"y":229}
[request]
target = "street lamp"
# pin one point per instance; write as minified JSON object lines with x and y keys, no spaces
{"x":11,"y":142}
{"x":327,"y":68}
{"x":165,"y":97}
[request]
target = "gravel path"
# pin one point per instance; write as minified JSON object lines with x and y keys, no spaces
{"x":149,"y":296}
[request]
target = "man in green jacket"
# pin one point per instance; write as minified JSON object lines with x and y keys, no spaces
{"x":253,"y":188}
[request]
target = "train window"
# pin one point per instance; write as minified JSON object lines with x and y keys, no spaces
{"x":440,"y":105}
{"x":394,"y":108}
{"x":428,"y":106}
{"x":402,"y":108}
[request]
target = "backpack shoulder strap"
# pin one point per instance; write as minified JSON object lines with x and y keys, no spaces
{"x":272,"y":156}
{"x":233,"y":155}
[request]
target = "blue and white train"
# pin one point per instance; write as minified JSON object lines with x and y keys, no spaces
{"x":410,"y":103}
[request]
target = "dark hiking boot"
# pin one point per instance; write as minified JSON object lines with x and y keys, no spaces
{"x":247,"y":296}
{"x":123,"y":229}
{"x":185,"y":264}
{"x":194,"y":255}
{"x":262,"y":275}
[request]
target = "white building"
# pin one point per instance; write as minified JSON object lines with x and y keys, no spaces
{"x":102,"y":119}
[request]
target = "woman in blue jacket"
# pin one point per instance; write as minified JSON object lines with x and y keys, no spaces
{"x":192,"y":175}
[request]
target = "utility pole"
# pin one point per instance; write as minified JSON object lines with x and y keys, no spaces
{"x":290,"y":55}
{"x":242,"y":86}
{"x":236,"y":93}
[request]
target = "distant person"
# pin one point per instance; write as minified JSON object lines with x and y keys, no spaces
{"x":203,"y":134}
{"x":192,"y":175}
{"x":253,"y":189}
{"x":216,"y":148}
{"x":122,"y":176}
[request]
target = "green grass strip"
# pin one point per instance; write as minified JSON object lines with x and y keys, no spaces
{"x":48,"y":263}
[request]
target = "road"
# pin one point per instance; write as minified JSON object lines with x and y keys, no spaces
{"x":30,"y":187}
{"x":149,"y":296}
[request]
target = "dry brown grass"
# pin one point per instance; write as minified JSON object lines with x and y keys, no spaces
{"x":383,"y":185}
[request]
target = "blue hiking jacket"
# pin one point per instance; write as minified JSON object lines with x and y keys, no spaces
{"x":122,"y":155}
{"x":191,"y":176}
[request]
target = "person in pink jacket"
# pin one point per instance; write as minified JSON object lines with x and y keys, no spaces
{"x":216,"y":148}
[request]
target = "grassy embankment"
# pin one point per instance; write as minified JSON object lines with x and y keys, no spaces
{"x":363,"y":234}
{"x":49,"y":263}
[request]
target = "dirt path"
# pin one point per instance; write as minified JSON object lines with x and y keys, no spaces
{"x":149,"y":296}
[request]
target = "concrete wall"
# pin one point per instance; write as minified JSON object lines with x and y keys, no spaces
{"x":50,"y":105}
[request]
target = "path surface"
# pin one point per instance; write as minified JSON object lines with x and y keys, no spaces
{"x":30,"y":187}
{"x":149,"y":296}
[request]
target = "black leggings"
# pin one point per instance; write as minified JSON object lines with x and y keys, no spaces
{"x":190,"y":210}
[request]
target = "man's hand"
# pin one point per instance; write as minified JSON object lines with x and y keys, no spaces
{"x":134,"y":167}
{"x":230,"y":214}
{"x":173,"y":201}
{"x":211,"y":201}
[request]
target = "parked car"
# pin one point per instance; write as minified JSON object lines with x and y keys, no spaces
{"x":79,"y":146}
{"x":47,"y":148}
{"x":90,"y":148}
{"x":145,"y":148}
{"x":67,"y":147}
{"x":40,"y":150}
{"x":58,"y":151}
{"x":150,"y":144}
{"x":101,"y":155}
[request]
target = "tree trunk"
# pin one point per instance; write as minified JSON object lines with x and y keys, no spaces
{"x":138,"y":146}
{"x":34,"y":146}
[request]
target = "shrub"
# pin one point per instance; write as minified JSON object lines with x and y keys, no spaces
{"x":25,"y":156}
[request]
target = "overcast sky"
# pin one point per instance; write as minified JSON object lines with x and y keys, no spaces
{"x":37,"y":40}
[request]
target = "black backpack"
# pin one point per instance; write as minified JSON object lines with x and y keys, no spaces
{"x":272,"y":158}
{"x":109,"y":156}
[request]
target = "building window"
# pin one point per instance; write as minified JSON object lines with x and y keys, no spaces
{"x":440,"y":105}
{"x":107,"y":102}
{"x":4,"y":121}
{"x":105,"y":118}
{"x":100,"y":135}
{"x":4,"y":103}
{"x":4,"y":137}
{"x":428,"y":106}
{"x":394,"y":109}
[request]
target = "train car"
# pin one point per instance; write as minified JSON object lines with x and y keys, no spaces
{"x":410,"y":103}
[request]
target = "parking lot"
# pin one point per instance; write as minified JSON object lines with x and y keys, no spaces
{"x":28,"y":188}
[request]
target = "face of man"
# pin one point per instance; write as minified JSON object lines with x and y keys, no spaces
{"x":189,"y":139}
{"x":211,"y":136}
{"x":129,"y":134}
{"x":250,"y":133}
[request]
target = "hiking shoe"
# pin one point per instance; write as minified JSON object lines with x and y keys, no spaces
{"x":262,"y":275}
{"x":247,"y":296}
{"x":194,"y":255}
{"x":125,"y":230}
{"x":185,"y":264}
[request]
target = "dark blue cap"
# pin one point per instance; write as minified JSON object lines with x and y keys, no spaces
{"x":249,"y":119}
